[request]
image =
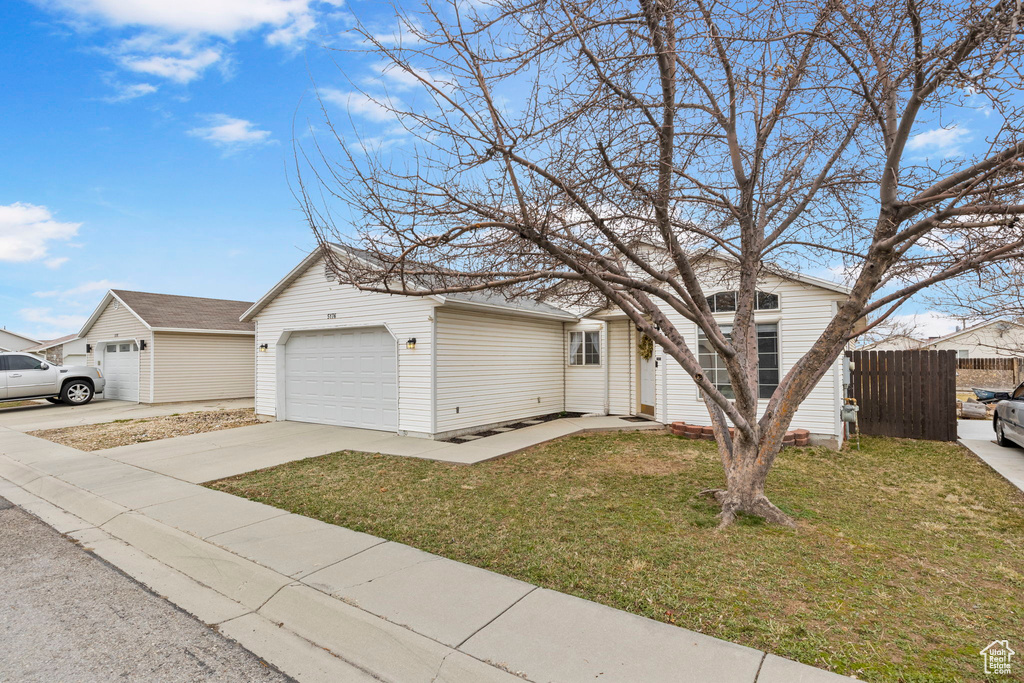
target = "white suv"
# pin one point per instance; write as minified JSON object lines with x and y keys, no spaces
{"x":23,"y":376}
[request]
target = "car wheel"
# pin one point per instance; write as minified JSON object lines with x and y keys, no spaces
{"x":1001,"y":435}
{"x":76,"y":393}
{"x":53,"y":399}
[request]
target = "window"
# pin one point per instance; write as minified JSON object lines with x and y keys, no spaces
{"x":111,"y":348}
{"x":725,"y":302}
{"x":585,"y":348}
{"x":23,"y":363}
{"x":963,"y":353}
{"x":767,"y":361}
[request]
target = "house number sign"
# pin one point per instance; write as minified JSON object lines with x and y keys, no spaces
{"x":332,"y":316}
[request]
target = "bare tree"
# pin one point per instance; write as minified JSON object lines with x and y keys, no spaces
{"x":603,"y":149}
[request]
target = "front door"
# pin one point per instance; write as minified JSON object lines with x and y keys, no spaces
{"x":646,"y":374}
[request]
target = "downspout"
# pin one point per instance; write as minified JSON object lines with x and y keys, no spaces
{"x":607,"y":367}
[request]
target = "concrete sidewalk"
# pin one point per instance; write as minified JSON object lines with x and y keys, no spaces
{"x":214,"y":455}
{"x":977,"y":436}
{"x":322,"y":602}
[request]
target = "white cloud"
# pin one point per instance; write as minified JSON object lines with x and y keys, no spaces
{"x":57,"y":262}
{"x":85,"y":288}
{"x":397,"y":78}
{"x":224,"y":18}
{"x":126,"y":92}
{"x":180,"y":40}
{"x":27,"y":230}
{"x":54,"y":321}
{"x":293,"y":33}
{"x":925,"y":324}
{"x":940,"y":142}
{"x":360,"y":104}
{"x":230,"y":133}
{"x":177,"y":69}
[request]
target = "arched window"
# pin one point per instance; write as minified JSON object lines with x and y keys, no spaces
{"x":724,"y":302}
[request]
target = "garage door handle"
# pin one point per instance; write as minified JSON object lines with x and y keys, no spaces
{"x":14,"y":374}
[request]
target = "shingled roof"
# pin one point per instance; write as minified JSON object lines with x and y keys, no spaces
{"x":169,"y":311}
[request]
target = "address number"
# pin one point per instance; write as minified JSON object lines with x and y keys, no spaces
{"x":332,"y":316}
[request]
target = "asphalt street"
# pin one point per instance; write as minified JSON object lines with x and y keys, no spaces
{"x":65,"y":615}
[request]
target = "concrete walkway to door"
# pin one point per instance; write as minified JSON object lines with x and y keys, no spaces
{"x":215,"y":455}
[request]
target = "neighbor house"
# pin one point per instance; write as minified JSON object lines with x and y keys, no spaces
{"x":442,"y":365}
{"x":158,"y":348}
{"x":895,"y":342}
{"x":12,"y":341}
{"x":66,"y":350}
{"x":992,"y":339}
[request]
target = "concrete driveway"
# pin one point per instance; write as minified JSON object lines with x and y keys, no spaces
{"x":49,"y":416}
{"x":977,"y":436}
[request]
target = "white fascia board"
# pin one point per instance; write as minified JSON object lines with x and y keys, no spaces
{"x":509,"y":310}
{"x":191,"y":330}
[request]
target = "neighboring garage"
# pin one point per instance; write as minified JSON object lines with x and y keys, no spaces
{"x":160,"y":348}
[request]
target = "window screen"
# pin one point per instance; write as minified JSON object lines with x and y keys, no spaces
{"x":585,"y":348}
{"x":767,"y":361}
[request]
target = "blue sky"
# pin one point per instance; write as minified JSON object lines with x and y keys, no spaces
{"x":146,"y":145}
{"x":150,"y":149}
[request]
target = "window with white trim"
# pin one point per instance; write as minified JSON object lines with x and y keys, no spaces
{"x":725,"y":302}
{"x":585,"y":347}
{"x":767,"y":361}
{"x":963,"y":353}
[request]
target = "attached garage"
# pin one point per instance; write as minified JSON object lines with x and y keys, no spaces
{"x":345,"y":377}
{"x":161,"y":348}
{"x":431,"y":366}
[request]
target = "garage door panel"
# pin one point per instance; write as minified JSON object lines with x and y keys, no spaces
{"x":120,"y":367}
{"x":342,"y":377}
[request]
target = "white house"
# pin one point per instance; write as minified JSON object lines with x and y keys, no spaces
{"x":992,"y":339}
{"x":66,"y":350}
{"x":159,"y":348}
{"x":12,"y":341}
{"x":438,"y":366}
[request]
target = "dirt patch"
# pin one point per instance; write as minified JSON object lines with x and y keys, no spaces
{"x":127,"y":432}
{"x":633,"y":460}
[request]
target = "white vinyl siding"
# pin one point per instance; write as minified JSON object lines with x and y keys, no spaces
{"x":13,"y":342}
{"x":584,"y":384}
{"x":305,"y":305}
{"x":621,"y":358}
{"x":804,"y":312}
{"x":496,"y":368}
{"x":193,"y":366}
{"x":996,"y":340}
{"x":120,"y":324}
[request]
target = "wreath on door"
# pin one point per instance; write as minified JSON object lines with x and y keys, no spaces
{"x":645,"y":347}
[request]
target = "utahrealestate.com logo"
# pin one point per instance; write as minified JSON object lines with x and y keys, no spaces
{"x":997,"y":655}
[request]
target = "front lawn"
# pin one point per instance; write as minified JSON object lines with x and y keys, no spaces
{"x":97,"y":437}
{"x":908,"y":558}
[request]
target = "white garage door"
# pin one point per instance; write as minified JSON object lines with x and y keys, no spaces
{"x":342,"y":377}
{"x":121,"y":369}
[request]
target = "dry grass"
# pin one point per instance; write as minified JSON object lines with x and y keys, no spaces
{"x":126,"y":432}
{"x":18,"y":404}
{"x":907,"y":560}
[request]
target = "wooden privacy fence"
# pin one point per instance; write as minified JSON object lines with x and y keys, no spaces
{"x":987,"y":363}
{"x":910,"y":394}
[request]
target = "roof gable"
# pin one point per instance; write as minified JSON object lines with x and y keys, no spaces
{"x":972,"y":328}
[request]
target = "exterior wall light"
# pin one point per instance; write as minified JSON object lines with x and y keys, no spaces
{"x":264,"y":347}
{"x":142,"y":345}
{"x":410,"y":343}
{"x":88,"y":348}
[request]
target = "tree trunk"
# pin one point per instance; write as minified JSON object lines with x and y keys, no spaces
{"x":745,"y":478}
